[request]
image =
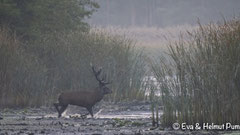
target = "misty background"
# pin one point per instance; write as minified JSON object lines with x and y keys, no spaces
{"x":46,"y":48}
{"x":162,"y":13}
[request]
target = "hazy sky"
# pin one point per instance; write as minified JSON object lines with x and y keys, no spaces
{"x":162,"y":13}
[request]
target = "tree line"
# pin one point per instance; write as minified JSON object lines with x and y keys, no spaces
{"x":47,"y":47}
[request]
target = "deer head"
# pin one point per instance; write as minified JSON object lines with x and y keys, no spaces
{"x":102,"y":82}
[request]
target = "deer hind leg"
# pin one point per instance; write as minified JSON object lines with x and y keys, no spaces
{"x":62,"y":109}
{"x":90,"y":111}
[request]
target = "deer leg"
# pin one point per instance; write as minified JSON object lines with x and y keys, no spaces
{"x":56,"y":106}
{"x":83,"y":116}
{"x":62,"y":109}
{"x":90,"y":111}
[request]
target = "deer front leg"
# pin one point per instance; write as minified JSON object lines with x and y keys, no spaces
{"x":56,"y":106}
{"x":83,"y":116}
{"x":62,"y":109}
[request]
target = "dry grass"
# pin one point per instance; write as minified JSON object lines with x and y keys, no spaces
{"x":201,"y":82}
{"x":61,"y":62}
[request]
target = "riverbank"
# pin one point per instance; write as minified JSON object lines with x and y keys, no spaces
{"x":109,"y":119}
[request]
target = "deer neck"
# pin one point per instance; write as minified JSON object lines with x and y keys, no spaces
{"x":100,"y":94}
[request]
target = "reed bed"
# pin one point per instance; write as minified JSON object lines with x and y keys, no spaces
{"x":200,"y":78}
{"x":33,"y":73}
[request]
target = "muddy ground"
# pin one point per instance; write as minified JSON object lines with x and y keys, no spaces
{"x":124,"y":118}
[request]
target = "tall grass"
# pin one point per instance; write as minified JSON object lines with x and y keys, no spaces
{"x":16,"y":70}
{"x":33,"y":73}
{"x":200,"y":81}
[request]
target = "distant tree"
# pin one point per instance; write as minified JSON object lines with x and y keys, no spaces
{"x":34,"y":17}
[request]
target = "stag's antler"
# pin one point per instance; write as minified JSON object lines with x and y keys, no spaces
{"x":97,"y":73}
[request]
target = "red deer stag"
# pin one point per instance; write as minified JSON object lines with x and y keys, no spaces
{"x":87,"y":98}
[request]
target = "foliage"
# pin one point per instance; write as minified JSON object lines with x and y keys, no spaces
{"x":16,"y":71}
{"x":201,"y":81}
{"x":31,"y":18}
{"x":35,"y":73}
{"x":56,"y":52}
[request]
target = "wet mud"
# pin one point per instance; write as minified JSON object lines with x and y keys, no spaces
{"x":109,"y":119}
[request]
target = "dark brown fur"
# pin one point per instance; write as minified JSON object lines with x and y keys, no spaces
{"x":86,"y":98}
